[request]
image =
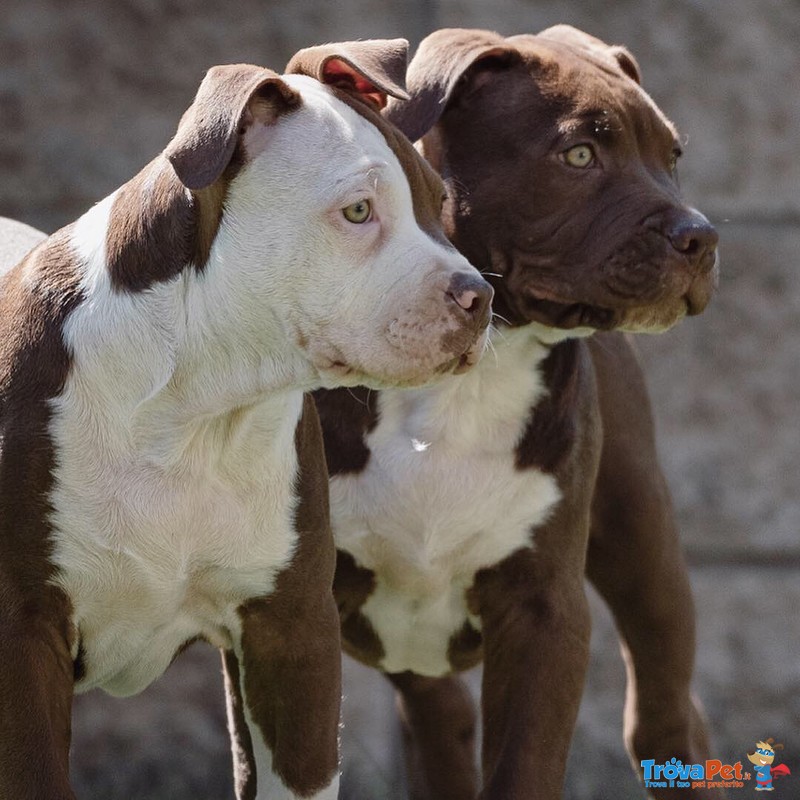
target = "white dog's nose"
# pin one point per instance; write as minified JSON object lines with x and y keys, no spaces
{"x":466,"y":299}
{"x":472,"y":294}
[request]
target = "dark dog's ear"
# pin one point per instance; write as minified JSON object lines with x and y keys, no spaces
{"x":627,"y":63}
{"x":441,"y":61}
{"x":373,"y":70}
{"x":231,"y":99}
{"x":621,"y":56}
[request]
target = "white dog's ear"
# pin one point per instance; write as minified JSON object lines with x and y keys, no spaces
{"x":373,"y":70}
{"x":230,"y":99}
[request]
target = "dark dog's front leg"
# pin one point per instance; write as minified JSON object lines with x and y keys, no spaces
{"x":536,"y":646}
{"x":636,"y":562}
{"x":438,"y":717}
{"x":284,"y":693}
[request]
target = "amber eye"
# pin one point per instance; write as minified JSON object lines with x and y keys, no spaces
{"x":358,"y":212}
{"x":580,"y":156}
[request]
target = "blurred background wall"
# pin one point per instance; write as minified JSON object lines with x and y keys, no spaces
{"x":90,"y":91}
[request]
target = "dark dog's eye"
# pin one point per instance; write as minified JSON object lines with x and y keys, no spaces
{"x":359,"y":212}
{"x":673,"y":160}
{"x":580,"y":156}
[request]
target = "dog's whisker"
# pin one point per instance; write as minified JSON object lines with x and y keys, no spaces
{"x":452,"y":182}
{"x":492,"y":349}
{"x":495,"y":331}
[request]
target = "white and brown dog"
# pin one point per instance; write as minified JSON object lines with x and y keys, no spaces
{"x":464,"y":511}
{"x":162,"y":476}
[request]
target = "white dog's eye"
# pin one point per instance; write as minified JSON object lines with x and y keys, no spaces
{"x":358,"y":212}
{"x":580,"y":156}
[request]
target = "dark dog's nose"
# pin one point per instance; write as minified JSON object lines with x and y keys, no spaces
{"x":693,"y":236}
{"x":473,"y":295}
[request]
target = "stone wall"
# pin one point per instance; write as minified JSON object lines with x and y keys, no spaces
{"x":90,"y":91}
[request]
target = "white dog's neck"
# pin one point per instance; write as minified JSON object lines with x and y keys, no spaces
{"x":166,"y":366}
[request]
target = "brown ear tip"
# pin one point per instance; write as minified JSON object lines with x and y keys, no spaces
{"x":192,"y":175}
{"x":272,"y":87}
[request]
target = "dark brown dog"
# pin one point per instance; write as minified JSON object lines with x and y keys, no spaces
{"x":463,"y":512}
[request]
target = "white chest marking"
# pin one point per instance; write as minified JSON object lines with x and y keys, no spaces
{"x":441,"y":498}
{"x":163,"y":523}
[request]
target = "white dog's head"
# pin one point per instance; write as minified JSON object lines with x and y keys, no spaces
{"x":319,"y":222}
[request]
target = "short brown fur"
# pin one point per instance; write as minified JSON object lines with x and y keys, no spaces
{"x":35,"y":299}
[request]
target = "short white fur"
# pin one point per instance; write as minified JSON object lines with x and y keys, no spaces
{"x":441,"y":498}
{"x":166,"y":519}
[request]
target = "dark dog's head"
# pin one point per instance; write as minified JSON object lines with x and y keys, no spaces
{"x":562,"y":179}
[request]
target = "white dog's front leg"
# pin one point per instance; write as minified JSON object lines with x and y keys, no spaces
{"x":283,"y":700}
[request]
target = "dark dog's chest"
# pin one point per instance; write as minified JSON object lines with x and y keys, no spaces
{"x":441,"y":496}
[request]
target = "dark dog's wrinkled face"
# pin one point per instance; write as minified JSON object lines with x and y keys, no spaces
{"x":562,"y":180}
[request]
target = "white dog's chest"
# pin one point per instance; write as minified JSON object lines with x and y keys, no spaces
{"x":426,"y":514}
{"x":152,"y":560}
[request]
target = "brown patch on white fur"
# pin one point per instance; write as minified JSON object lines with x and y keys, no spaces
{"x":167,"y":217}
{"x":152,"y":230}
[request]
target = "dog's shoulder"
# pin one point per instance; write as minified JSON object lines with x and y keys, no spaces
{"x":36,"y":297}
